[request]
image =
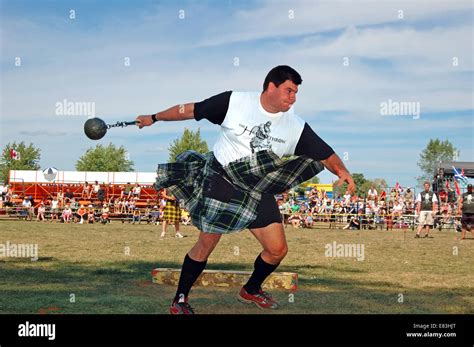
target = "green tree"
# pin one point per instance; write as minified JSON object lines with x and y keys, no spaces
{"x":29,"y":159}
{"x":435,"y":152}
{"x":190,"y":140}
{"x":102,"y":158}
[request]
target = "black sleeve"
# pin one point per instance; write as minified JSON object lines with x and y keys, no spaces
{"x":213,"y":109}
{"x":312,"y":145}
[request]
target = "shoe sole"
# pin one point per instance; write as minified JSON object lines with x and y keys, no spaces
{"x":250,"y":302}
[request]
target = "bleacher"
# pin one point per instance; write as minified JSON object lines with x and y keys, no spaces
{"x":37,"y":184}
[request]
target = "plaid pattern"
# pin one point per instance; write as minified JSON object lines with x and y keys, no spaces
{"x":172,"y":212}
{"x":190,"y":180}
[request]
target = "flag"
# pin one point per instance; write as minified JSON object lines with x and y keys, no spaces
{"x":14,"y":154}
{"x":460,"y":176}
{"x":398,"y":188}
{"x":458,"y":191}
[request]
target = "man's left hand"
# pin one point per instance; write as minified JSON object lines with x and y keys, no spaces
{"x":346,"y":177}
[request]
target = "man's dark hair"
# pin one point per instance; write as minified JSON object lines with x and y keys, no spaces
{"x":280,"y":74}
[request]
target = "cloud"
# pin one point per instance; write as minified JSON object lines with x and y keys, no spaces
{"x":174,"y":61}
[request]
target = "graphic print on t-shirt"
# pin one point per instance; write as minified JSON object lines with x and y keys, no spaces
{"x":260,"y":137}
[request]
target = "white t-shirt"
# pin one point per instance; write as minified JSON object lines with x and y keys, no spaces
{"x":248,"y":128}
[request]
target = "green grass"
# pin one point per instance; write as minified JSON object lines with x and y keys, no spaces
{"x":89,"y":261}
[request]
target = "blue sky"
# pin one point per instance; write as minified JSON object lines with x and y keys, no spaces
{"x":176,"y":60}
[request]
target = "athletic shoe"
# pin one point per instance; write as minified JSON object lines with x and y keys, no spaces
{"x":178,"y":236}
{"x":181,"y":307}
{"x":426,"y":235}
{"x":417,"y":236}
{"x":261,"y":299}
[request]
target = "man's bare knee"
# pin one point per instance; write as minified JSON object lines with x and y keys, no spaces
{"x":277,"y":252}
{"x":204,"y":246}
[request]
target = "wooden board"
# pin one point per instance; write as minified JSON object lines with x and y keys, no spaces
{"x":225,"y":278}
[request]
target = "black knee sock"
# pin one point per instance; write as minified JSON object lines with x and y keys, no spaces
{"x":261,"y":271}
{"x":190,"y":272}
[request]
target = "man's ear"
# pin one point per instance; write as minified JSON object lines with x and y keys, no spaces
{"x":271,"y":87}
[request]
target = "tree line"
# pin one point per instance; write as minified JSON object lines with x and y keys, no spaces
{"x":113,"y":158}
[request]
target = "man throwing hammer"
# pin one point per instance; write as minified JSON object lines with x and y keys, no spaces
{"x":233,"y":187}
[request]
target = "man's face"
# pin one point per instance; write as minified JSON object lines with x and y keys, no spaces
{"x":283,"y":96}
{"x":427,"y":187}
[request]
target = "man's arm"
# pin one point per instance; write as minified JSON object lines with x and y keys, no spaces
{"x":213,"y":109}
{"x":175,"y":113}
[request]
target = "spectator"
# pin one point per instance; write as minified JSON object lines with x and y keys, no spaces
{"x":136,"y":216}
{"x":296,"y":220}
{"x":372,"y":194}
{"x":393,"y":194}
{"x":383,"y":195}
{"x":3,"y":192}
{"x":68,"y":196}
{"x":86,"y":190}
{"x":104,"y":216}
{"x":67,"y":213}
{"x":155,"y":215}
{"x":171,"y":214}
{"x":54,"y":208}
{"x":41,"y":212}
{"x":100,"y":194}
{"x":185,"y":217}
{"x":74,"y":205}
{"x":90,"y":215}
{"x":81,"y":213}
{"x":136,"y":191}
{"x":126,"y":191}
{"x":347,"y":198}
{"x":445,"y":213}
{"x":443,"y":196}
{"x":94,"y":190}
{"x":117,"y":205}
{"x":308,"y":220}
{"x":26,"y":204}
{"x":379,"y":219}
{"x":397,"y":210}
{"x":60,"y":196}
{"x":354,"y":224}
{"x":313,"y":195}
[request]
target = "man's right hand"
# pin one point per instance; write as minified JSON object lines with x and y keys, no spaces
{"x":144,"y":121}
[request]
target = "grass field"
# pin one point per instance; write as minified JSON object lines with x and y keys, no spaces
{"x":399,"y":274}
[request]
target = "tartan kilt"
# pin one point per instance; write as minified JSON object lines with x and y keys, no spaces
{"x":172,"y":212}
{"x":192,"y":180}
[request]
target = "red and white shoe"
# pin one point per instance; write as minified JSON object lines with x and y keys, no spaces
{"x":261,"y":299}
{"x":182,"y":307}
